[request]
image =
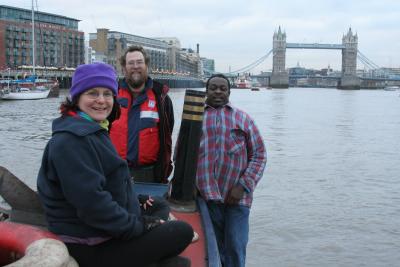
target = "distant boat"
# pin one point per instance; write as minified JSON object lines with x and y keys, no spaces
{"x":24,"y":93}
{"x":27,"y":89}
{"x":391,"y":88}
{"x":243,"y":83}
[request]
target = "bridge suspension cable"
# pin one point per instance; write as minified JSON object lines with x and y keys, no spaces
{"x":372,"y":66}
{"x":245,"y":68}
{"x":366,"y":61}
{"x":251,"y":65}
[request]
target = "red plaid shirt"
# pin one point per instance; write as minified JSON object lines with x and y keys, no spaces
{"x":231,"y":152}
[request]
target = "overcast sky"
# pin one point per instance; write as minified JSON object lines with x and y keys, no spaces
{"x":236,"y":33}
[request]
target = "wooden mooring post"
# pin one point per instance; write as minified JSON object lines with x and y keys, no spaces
{"x":183,"y":190}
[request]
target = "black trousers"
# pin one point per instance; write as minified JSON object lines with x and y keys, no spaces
{"x":164,"y":241}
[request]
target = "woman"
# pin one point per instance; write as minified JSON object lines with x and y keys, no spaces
{"x":86,"y":189}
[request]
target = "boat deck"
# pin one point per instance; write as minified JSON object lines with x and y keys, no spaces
{"x":204,"y":251}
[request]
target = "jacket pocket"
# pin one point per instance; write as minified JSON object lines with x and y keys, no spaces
{"x":149,"y":145}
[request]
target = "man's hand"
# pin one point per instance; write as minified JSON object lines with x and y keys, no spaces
{"x":234,"y":195}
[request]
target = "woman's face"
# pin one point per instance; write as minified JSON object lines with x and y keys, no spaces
{"x":97,"y":103}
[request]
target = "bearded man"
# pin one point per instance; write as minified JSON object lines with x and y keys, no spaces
{"x":142,"y":134}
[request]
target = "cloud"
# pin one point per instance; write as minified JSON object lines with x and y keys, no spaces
{"x":238,"y":32}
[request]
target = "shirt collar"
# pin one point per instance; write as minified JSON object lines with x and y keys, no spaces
{"x":227,"y":105}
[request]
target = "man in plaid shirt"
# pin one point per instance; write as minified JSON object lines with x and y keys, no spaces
{"x":231,"y":161}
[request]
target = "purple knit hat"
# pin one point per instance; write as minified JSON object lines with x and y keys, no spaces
{"x":89,"y":76}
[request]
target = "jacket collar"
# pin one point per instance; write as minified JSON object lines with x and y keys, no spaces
{"x":227,"y":105}
{"x":75,"y":125}
{"x":158,"y":88}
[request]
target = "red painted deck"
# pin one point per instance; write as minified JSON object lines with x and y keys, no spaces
{"x":196,"y":251}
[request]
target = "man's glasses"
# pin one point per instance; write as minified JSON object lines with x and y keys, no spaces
{"x":95,"y":95}
{"x":134,"y":63}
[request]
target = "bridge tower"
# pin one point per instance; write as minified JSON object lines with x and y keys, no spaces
{"x":279,"y":77}
{"x":349,"y":78}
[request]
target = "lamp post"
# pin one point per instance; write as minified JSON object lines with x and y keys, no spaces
{"x":8,"y":81}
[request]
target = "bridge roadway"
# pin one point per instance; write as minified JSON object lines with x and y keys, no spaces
{"x":314,"y":46}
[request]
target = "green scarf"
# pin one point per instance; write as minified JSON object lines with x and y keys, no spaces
{"x":103,"y":124}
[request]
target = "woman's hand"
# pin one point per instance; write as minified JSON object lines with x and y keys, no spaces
{"x":145,"y":201}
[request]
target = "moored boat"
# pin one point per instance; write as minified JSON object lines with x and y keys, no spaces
{"x":391,"y":88}
{"x":25,"y":93}
{"x":27,"y":89}
{"x":26,"y":209}
{"x":31,"y":87}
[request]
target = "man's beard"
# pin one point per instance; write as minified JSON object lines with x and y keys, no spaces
{"x":136,"y":82}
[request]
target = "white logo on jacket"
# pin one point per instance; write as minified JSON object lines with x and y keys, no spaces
{"x":152,"y":103}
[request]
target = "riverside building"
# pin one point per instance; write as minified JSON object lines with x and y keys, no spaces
{"x":166,"y":55}
{"x":58,"y":42}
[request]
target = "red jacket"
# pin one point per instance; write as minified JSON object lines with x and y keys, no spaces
{"x":142,"y":134}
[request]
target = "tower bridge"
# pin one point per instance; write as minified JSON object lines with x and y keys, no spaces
{"x":349,"y":80}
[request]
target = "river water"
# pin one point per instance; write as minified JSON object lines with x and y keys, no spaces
{"x":330,"y":192}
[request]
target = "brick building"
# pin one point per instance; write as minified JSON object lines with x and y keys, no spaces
{"x":58,"y":42}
